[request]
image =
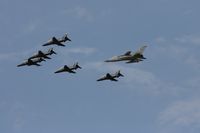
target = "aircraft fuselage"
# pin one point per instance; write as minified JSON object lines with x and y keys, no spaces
{"x":120,"y":58}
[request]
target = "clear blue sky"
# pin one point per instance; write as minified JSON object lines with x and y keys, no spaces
{"x":158,"y":95}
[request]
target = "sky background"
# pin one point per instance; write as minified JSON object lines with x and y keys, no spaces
{"x":158,"y":95}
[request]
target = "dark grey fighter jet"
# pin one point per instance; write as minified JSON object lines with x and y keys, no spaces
{"x":111,"y":77}
{"x":69,"y":69}
{"x":39,"y":54}
{"x":30,"y":62}
{"x":129,"y":56}
{"x":57,"y":41}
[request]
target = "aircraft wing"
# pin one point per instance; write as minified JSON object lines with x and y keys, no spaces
{"x":59,"y":44}
{"x":36,"y":64}
{"x":136,"y":60}
{"x":101,"y":79}
{"x":60,"y":70}
{"x":70,"y":71}
{"x":45,"y":56}
{"x":49,"y":42}
{"x":46,"y":44}
{"x":110,"y":77}
{"x":113,"y":79}
{"x":127,"y":53}
{"x":22,"y":64}
{"x":141,"y":50}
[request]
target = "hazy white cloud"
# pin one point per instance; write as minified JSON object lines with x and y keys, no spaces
{"x":32,"y":26}
{"x":8,"y":56}
{"x":83,"y":50}
{"x":193,"y":61}
{"x":194,"y":82}
{"x":189,"y":39}
{"x":79,"y":50}
{"x":160,"y":40}
{"x":2,"y":104}
{"x":106,"y":12}
{"x":170,"y":49}
{"x":188,"y":12}
{"x":182,"y":114}
{"x":80,"y":13}
{"x":16,"y":110}
{"x":179,"y":49}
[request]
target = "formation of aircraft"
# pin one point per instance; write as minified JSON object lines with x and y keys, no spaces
{"x":57,"y":41}
{"x":39,"y":56}
{"x":69,"y":69}
{"x":111,"y":77}
{"x":129,"y":57}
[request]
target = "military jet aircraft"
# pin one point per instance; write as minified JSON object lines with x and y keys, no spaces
{"x":57,"y":41}
{"x":50,"y":52}
{"x":39,"y":54}
{"x":30,"y":62}
{"x":111,"y":77}
{"x":69,"y":69}
{"x":129,"y":56}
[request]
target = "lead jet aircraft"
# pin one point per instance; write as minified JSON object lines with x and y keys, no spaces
{"x":130,"y":57}
{"x":69,"y":69}
{"x":39,"y":54}
{"x":30,"y":62}
{"x":111,"y":77}
{"x":57,"y":41}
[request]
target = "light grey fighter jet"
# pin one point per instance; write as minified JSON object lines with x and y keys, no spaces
{"x":129,"y":56}
{"x":50,"y":52}
{"x":57,"y":41}
{"x":69,"y":69}
{"x":30,"y":62}
{"x":111,"y":77}
{"x":39,"y":54}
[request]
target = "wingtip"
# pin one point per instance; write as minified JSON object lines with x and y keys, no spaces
{"x":98,"y":80}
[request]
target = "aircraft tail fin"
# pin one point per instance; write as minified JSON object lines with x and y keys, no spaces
{"x":141,"y":49}
{"x":65,"y":38}
{"x":51,"y":51}
{"x":118,"y":74}
{"x":76,"y":65}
